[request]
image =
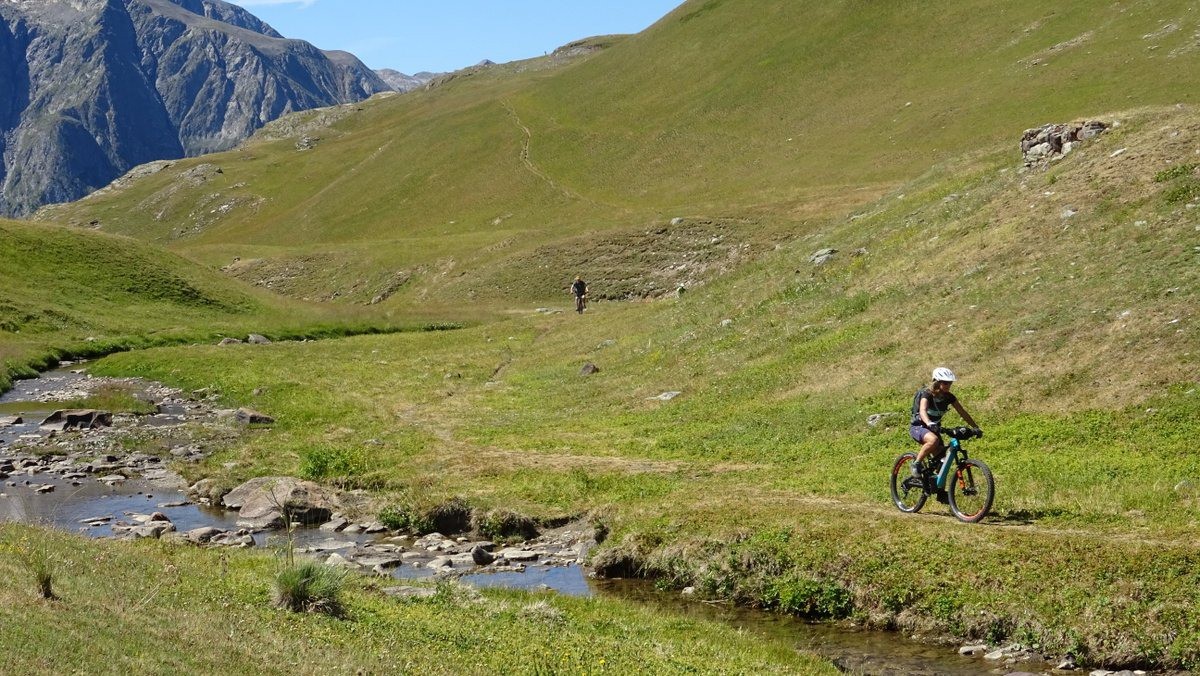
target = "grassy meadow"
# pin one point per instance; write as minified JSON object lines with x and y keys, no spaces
{"x":181,"y":610}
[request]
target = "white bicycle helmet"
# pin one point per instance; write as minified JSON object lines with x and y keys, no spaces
{"x":943,"y":374}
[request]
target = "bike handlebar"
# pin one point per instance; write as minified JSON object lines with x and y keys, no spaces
{"x":963,"y":433}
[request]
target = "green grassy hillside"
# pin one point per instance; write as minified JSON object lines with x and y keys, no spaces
{"x":765,"y":114}
{"x":70,"y":292}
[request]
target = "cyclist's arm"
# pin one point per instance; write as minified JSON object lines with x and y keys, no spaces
{"x":963,"y":412}
{"x":923,"y":412}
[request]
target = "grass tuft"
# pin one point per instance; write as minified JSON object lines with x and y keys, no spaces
{"x":505,"y":524}
{"x":37,"y":559}
{"x":309,"y":587}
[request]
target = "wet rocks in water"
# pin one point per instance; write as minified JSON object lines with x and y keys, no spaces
{"x":144,"y":526}
{"x":77,"y":419}
{"x":261,"y":502}
{"x":9,"y":421}
{"x":336,"y":524}
{"x":248,"y":416}
{"x":481,"y":556}
{"x":977,"y":649}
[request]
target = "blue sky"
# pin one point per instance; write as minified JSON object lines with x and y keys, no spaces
{"x":444,"y":35}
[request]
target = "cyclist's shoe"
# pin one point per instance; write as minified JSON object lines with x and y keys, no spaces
{"x":917,"y":469}
{"x":943,"y":497}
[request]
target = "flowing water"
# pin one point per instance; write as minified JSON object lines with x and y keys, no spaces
{"x":91,"y":507}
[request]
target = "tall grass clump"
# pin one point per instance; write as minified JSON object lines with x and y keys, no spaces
{"x":309,"y":587}
{"x":37,"y":560}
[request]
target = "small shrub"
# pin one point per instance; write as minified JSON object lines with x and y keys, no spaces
{"x":1177,"y":171}
{"x":405,"y":518}
{"x":1182,"y":193}
{"x":810,"y":598}
{"x":503,"y":524}
{"x":309,"y":587}
{"x":324,"y":462}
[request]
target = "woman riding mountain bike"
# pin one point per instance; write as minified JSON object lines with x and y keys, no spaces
{"x":930,"y":404}
{"x":965,"y":483}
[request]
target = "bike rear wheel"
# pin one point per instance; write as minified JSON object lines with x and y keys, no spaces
{"x":907,"y":492}
{"x":971,"y":490}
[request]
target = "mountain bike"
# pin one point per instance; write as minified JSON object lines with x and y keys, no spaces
{"x":966,"y":483}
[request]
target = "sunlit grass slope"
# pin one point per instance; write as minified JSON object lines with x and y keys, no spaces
{"x":150,"y":608}
{"x":1065,"y":298}
{"x":771,"y":113}
{"x":67,"y":291}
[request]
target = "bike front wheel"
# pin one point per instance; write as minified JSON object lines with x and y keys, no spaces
{"x":907,"y":492}
{"x":971,"y":491}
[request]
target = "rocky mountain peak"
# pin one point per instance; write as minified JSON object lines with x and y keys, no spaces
{"x":92,"y":88}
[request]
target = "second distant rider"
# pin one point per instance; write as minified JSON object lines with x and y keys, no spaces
{"x":580,"y":289}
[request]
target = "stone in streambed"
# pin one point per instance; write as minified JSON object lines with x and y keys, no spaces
{"x":481,"y":556}
{"x":335,"y":525}
{"x":261,"y":502}
{"x":973,"y":649}
{"x":81,"y":419}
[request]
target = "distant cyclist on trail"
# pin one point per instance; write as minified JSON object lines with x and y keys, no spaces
{"x":580,"y":289}
{"x":929,"y":405}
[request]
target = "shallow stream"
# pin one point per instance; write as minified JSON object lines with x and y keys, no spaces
{"x":92,"y":507}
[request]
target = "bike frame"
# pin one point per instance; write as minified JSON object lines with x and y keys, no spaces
{"x":953,"y":450}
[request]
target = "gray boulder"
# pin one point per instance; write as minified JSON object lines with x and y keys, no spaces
{"x":264,"y":502}
{"x":72,"y":419}
{"x":203,"y":534}
{"x":481,"y":556}
{"x":256,"y":339}
{"x":822,"y":256}
{"x":229,"y":341}
{"x":248,"y":416}
{"x":589,"y":369}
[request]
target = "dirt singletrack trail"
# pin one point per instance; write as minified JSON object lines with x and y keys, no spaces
{"x":531,"y":167}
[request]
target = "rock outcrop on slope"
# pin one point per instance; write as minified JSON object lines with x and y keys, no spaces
{"x":92,"y":88}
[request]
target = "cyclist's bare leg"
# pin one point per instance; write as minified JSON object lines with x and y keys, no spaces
{"x":931,"y":444}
